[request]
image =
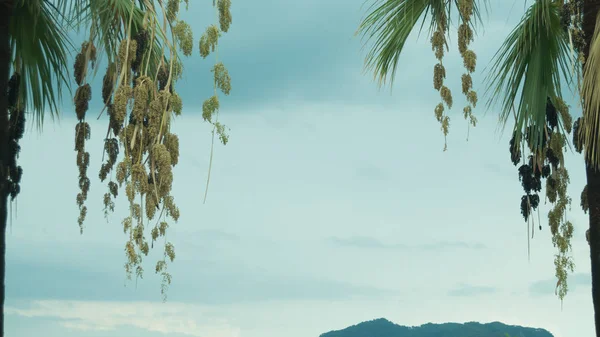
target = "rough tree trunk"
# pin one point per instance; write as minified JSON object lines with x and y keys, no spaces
{"x":590,"y":11}
{"x":593,"y":180}
{"x":5,"y":14}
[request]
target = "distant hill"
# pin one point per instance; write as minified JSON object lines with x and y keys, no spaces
{"x":383,"y":328}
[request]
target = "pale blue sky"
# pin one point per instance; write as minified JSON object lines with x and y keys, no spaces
{"x":332,"y":204}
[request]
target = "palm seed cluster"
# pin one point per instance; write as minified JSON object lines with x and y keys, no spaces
{"x":545,"y":159}
{"x":438,"y":43}
{"x":140,"y":150}
{"x":549,"y":164}
{"x":83,"y":95}
{"x":465,"y":37}
{"x":16,"y":129}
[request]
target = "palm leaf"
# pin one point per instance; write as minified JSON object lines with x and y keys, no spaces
{"x":39,"y":49}
{"x":390,"y":23}
{"x":528,"y":68}
{"x":590,"y":94}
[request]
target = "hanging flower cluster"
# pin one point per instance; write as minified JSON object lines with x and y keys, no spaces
{"x":83,"y":95}
{"x":438,"y":43}
{"x":221,"y":80}
{"x":140,"y":150}
{"x":465,"y":37}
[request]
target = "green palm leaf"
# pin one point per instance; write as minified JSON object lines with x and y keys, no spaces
{"x":39,"y":49}
{"x":528,"y":68}
{"x":391,"y":23}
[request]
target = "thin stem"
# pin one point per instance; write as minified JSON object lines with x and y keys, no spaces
{"x":212,"y":143}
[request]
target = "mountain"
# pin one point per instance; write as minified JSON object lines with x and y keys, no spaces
{"x":383,"y":328}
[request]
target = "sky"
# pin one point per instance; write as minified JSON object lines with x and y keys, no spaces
{"x":333,"y":203}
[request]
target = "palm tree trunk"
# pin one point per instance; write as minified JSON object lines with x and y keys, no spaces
{"x":5,"y":58}
{"x":593,"y":180}
{"x":590,"y":11}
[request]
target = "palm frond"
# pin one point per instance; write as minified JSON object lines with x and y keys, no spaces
{"x":528,"y":68}
{"x":389,"y":24}
{"x":590,"y":94}
{"x":39,"y":49}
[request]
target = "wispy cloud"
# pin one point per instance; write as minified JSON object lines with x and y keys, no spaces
{"x":368,"y":242}
{"x":447,"y":245}
{"x":363,"y":242}
{"x":465,"y":290}
{"x":167,"y":318}
{"x":371,"y":172}
{"x":548,"y":286}
{"x":213,"y":234}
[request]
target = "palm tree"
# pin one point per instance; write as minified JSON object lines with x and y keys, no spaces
{"x":555,"y":40}
{"x":142,"y":41}
{"x":36,"y":40}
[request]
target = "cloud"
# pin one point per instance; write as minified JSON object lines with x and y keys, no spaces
{"x":447,"y":245}
{"x":213,"y":234}
{"x":208,"y":239}
{"x":548,"y":286}
{"x":503,"y":170}
{"x":464,"y":290}
{"x":212,"y":282}
{"x":371,"y":172}
{"x":362,"y":242}
{"x":166,"y":318}
{"x":373,"y":243}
